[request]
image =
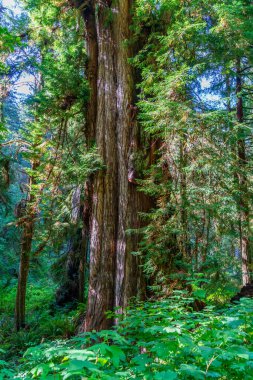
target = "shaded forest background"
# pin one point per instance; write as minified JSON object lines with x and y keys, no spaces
{"x":126,"y":188}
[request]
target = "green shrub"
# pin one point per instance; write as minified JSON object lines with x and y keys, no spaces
{"x":165,"y":339}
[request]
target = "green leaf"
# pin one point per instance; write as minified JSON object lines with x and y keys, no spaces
{"x":200,"y":294}
{"x":168,"y":375}
{"x":213,"y":374}
{"x":192,"y":370}
{"x":117,"y":355}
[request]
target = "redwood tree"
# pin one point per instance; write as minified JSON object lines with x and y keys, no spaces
{"x":111,"y":123}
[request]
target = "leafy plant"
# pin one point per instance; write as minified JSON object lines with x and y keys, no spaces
{"x":155,"y":340}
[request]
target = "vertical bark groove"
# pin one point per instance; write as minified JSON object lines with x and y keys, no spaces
{"x":114,"y":273}
{"x":242,"y":180}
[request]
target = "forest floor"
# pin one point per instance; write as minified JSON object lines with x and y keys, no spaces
{"x":162,"y":339}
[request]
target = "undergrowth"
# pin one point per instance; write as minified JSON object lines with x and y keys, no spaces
{"x":41,"y":323}
{"x":162,"y":339}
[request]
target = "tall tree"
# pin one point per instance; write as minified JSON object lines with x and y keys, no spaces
{"x":50,"y":136}
{"x":111,"y":122}
{"x":243,"y":203}
{"x":27,"y":212}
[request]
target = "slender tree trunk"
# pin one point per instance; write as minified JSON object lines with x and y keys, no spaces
{"x":23,"y":275}
{"x":82,"y":268}
{"x":183,"y":198}
{"x":88,"y":12}
{"x":242,"y":181}
{"x":206,"y":246}
{"x":114,"y":273}
{"x":85,"y":246}
{"x":26,"y":246}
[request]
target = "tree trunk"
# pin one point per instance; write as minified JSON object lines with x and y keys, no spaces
{"x":85,"y":246}
{"x":242,"y":181}
{"x":26,"y":246}
{"x":71,"y":289}
{"x":114,"y":273}
{"x":184,"y":238}
{"x":23,"y":275}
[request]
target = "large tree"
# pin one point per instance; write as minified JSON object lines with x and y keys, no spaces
{"x":111,"y":123}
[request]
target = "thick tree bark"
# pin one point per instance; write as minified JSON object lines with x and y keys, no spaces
{"x":242,"y":181}
{"x":89,"y":15}
{"x":114,"y":273}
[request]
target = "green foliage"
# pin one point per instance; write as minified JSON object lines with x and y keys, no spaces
{"x":40,"y":325}
{"x":155,"y":340}
{"x":187,"y":107}
{"x":187,"y":95}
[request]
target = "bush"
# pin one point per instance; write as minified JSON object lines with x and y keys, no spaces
{"x":164,"y":339}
